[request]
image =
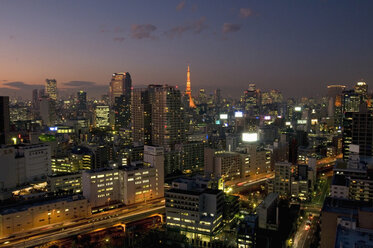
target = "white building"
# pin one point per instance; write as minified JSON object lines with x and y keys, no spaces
{"x":101,"y":187}
{"x":138,"y":182}
{"x":22,"y":164}
{"x":197,"y":211}
{"x":227,"y":165}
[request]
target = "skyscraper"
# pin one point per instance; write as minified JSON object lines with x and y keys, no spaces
{"x":361,"y":88}
{"x":167,"y":116}
{"x":51,"y":88}
{"x":141,"y":116}
{"x":335,"y":103}
{"x":4,"y":120}
{"x":188,"y":90}
{"x":120,"y":98}
{"x":121,"y":84}
{"x":252,"y":100}
{"x":82,"y":100}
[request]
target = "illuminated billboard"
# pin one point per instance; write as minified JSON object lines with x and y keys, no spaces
{"x":301,"y":122}
{"x":238,"y":114}
{"x":223,"y":116}
{"x":267,"y":117}
{"x":249,"y":137}
{"x":298,"y":109}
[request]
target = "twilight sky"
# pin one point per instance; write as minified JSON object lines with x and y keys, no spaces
{"x":297,"y":47}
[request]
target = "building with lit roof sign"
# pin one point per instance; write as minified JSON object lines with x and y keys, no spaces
{"x":249,"y":137}
{"x":223,"y":116}
{"x":238,"y":114}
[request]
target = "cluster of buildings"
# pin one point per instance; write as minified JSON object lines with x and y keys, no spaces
{"x":60,"y":156}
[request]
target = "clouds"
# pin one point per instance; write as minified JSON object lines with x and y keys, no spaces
{"x":21,"y":85}
{"x":180,"y":6}
{"x":230,"y":27}
{"x":245,"y":13}
{"x":196,"y":27}
{"x":142,"y":31}
{"x":119,"y":39}
{"x":78,"y":84}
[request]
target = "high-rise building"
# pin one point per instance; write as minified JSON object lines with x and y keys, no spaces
{"x":121,"y":84}
{"x":351,"y":101}
{"x":120,"y":98}
{"x":141,"y":116}
{"x":102,"y":116}
{"x":4,"y":120}
{"x":47,"y":111}
{"x":35,"y":102}
{"x":82,"y":100}
{"x":361,"y":88}
{"x":51,"y":88}
{"x":188,"y":90}
{"x":252,"y":100}
{"x":167,"y":116}
{"x":358,"y":130}
{"x":335,"y":93}
{"x":282,"y":182}
{"x":362,"y":131}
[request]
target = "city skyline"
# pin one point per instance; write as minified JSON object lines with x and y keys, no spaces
{"x":288,"y":46}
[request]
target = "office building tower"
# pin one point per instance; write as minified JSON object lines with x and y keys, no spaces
{"x":167,"y":117}
{"x":47,"y":111}
{"x":121,"y":84}
{"x":35,"y":101}
{"x":141,"y":117}
{"x":4,"y":120}
{"x":351,"y":101}
{"x":217,"y":98}
{"x":361,"y":88}
{"x":252,"y":100}
{"x":335,"y":93}
{"x":120,"y":99}
{"x":362,"y":131}
{"x":282,"y":181}
{"x":82,"y":100}
{"x":51,"y":88}
{"x":358,"y":130}
{"x":102,"y":116}
{"x":188,"y":90}
{"x":122,"y":112}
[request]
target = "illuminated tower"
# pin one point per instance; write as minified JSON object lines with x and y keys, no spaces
{"x":51,"y":88}
{"x":120,"y":99}
{"x":188,"y":90}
